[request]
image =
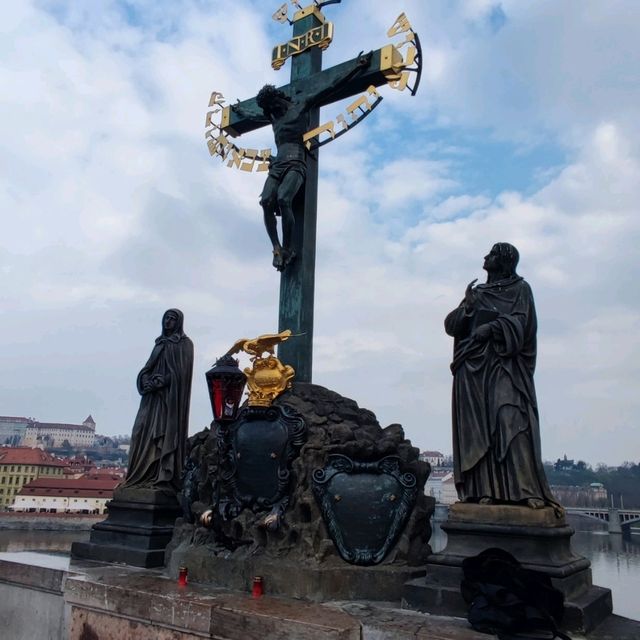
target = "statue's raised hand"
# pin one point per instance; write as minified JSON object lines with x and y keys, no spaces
{"x":470,"y":297}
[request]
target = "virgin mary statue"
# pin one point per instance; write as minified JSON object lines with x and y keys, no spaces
{"x":160,"y":430}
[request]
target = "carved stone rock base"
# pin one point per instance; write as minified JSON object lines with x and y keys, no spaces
{"x":136,"y":531}
{"x":536,"y":538}
{"x":294,"y":579}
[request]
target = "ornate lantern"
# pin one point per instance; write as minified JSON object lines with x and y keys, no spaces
{"x":226,"y":383}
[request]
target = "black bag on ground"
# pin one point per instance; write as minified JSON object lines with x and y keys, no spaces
{"x":508,"y":600}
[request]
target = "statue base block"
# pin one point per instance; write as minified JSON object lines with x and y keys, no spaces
{"x":136,"y":531}
{"x":538,"y":539}
{"x":294,"y":579}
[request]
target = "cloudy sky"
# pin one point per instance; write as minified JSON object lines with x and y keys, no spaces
{"x":525,"y":130}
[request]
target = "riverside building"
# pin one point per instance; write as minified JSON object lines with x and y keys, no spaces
{"x":19,"y":465}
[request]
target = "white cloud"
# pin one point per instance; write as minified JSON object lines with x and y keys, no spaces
{"x":456,"y":205}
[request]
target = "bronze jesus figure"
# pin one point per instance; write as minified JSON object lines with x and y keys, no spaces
{"x":289,"y":117}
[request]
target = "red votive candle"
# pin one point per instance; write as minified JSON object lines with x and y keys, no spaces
{"x":258,"y":587}
{"x":182,"y":576}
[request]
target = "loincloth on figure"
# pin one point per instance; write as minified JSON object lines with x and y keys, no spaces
{"x":290,"y":158}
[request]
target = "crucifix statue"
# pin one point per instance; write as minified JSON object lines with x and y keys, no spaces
{"x":289,"y":117}
{"x":293,"y":110}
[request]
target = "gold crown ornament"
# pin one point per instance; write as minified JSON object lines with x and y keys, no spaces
{"x":267,"y":378}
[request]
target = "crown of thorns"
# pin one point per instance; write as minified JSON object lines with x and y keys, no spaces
{"x":267,"y":94}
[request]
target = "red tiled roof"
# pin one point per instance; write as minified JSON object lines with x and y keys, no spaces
{"x":27,"y":455}
{"x":74,"y":488}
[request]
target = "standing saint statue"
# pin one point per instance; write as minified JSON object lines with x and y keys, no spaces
{"x":159,"y":437}
{"x":496,"y":433}
{"x":289,"y":117}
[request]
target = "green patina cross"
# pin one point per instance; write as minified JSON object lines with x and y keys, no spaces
{"x":312,"y":88}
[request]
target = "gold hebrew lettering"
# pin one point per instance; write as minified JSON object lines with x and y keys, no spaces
{"x":401,"y":25}
{"x":220,"y":146}
{"x":236,"y":157}
{"x":410,"y":56}
{"x":282,"y":14}
{"x":399,"y":82}
{"x":316,"y":133}
{"x":210,"y":134}
{"x":410,"y":39}
{"x":250,"y":155}
{"x":340,"y":120}
{"x":212,"y":130}
{"x":361,"y":103}
{"x":264,"y":155}
{"x":216,"y":99}
{"x":210,"y":114}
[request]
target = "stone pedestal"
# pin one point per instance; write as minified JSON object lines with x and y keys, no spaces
{"x":536,"y":538}
{"x":319,"y":583}
{"x":136,"y":531}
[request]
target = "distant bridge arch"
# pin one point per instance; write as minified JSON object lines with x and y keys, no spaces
{"x":616,"y":519}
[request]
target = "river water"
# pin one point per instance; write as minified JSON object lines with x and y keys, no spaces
{"x":615,"y":560}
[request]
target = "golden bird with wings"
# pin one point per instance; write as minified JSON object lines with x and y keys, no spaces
{"x":262,"y":344}
{"x":267,"y":378}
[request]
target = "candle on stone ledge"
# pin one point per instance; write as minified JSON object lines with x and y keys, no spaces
{"x":182,"y":576}
{"x":258,"y":587}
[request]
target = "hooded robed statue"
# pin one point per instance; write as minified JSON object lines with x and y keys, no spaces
{"x":496,"y":433}
{"x":160,"y":430}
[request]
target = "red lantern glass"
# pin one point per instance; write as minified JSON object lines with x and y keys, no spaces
{"x":182,"y":576}
{"x":226,"y":384}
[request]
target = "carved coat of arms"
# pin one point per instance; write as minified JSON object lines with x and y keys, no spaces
{"x":365,"y":505}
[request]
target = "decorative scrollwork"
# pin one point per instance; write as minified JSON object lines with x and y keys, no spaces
{"x":257,"y":452}
{"x":365,"y":505}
